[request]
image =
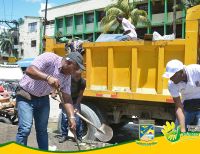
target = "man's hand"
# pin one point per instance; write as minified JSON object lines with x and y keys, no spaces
{"x":72,"y":124}
{"x":53,"y":82}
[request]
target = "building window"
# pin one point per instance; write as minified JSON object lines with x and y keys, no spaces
{"x":60,"y":23}
{"x":158,"y":7}
{"x":69,"y":21}
{"x":100,"y":15}
{"x":32,"y":27}
{"x":90,"y":18}
{"x":79,"y":20}
{"x":33,"y":43}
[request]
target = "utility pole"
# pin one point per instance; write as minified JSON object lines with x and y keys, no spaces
{"x":45,"y":22}
{"x":45,"y":18}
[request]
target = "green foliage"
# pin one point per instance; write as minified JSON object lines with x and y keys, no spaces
{"x":6,"y":42}
{"x":128,"y":10}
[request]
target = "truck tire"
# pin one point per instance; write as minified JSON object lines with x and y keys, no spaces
{"x":5,"y":120}
{"x":91,"y":116}
{"x":88,"y":130}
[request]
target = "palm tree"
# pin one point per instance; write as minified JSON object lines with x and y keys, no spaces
{"x":6,"y":42}
{"x":125,"y":8}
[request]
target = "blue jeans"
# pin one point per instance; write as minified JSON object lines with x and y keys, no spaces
{"x":64,"y":123}
{"x":192,"y":118}
{"x":37,"y":108}
{"x":124,"y":38}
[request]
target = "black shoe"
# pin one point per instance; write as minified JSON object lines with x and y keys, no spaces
{"x":62,"y":139}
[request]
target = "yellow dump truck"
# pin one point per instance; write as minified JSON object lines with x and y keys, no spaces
{"x":124,"y":79}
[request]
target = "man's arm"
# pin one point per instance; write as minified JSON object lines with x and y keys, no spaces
{"x":33,"y":72}
{"x":180,"y":113}
{"x":126,"y":32}
{"x":80,"y":97}
{"x":69,"y":109}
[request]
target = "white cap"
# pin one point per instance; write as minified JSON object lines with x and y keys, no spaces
{"x":172,"y":67}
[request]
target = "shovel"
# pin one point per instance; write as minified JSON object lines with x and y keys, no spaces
{"x":103,"y":133}
{"x":75,"y":137}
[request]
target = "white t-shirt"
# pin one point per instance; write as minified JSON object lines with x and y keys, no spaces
{"x":189,"y":90}
{"x":126,"y":24}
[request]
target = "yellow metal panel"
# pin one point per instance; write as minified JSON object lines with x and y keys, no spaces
{"x":57,"y":48}
{"x":134,"y":67}
{"x":160,"y":70}
{"x":191,"y":44}
{"x":122,"y":65}
{"x":193,"y":13}
{"x":89,"y":68}
{"x":99,"y":67}
{"x":110,"y":68}
{"x":147,"y":66}
{"x":129,"y":96}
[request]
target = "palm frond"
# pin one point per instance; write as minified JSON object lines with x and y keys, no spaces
{"x":128,"y":10}
{"x":108,"y":26}
{"x":114,"y":11}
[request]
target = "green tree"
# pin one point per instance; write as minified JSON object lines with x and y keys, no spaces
{"x":128,"y":10}
{"x":20,"y":21}
{"x":6,"y":42}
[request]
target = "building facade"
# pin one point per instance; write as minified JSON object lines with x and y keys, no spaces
{"x":29,"y":39}
{"x":82,"y":18}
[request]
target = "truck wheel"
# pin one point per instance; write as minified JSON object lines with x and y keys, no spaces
{"x":88,"y":130}
{"x":5,"y":120}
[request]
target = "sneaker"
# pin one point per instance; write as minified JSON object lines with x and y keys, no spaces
{"x":62,"y":139}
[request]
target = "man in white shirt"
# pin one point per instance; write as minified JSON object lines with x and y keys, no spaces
{"x":129,"y":29}
{"x":184,"y":80}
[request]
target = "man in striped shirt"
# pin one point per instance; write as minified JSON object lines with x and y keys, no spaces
{"x":47,"y":72}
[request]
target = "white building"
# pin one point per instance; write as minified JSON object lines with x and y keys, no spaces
{"x":29,"y":38}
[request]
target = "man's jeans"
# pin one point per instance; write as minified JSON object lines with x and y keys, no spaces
{"x":64,"y":123}
{"x":37,"y":108}
{"x":192,"y":118}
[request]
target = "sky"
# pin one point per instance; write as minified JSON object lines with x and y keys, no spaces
{"x":15,"y":9}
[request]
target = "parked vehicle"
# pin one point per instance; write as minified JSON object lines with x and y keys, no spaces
{"x":9,"y":78}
